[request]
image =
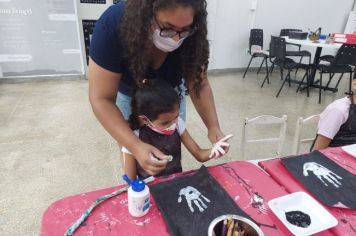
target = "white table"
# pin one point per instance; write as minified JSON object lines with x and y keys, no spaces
{"x":319,"y":46}
{"x":306,"y":42}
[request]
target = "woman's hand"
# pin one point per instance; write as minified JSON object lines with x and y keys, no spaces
{"x":152,"y":160}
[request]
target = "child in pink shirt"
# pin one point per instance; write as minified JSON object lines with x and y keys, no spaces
{"x":337,"y":124}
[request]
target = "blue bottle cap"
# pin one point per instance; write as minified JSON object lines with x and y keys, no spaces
{"x":138,"y":185}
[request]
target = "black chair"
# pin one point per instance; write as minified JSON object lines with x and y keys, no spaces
{"x":327,"y":58}
{"x":344,"y":60}
{"x":256,"y":39}
{"x":297,"y":53}
{"x":278,"y":50}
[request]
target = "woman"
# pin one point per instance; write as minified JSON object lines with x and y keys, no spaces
{"x":337,"y":124}
{"x":144,"y":39}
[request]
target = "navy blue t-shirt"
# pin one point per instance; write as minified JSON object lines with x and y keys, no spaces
{"x":107,"y":51}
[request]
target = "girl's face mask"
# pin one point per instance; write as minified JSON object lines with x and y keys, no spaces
{"x":166,"y":131}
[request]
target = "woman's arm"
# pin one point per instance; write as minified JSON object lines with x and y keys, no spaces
{"x":321,"y":142}
{"x":205,"y":106}
{"x":130,"y":166}
{"x":103,"y":87}
{"x":199,"y":154}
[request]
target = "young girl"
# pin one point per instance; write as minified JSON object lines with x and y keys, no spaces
{"x":155,"y":120}
{"x":337,"y":124}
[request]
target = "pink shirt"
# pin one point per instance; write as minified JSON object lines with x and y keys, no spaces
{"x":334,"y":115}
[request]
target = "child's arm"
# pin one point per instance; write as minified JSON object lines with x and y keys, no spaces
{"x":199,"y":154}
{"x":130,"y":165}
{"x":321,"y":142}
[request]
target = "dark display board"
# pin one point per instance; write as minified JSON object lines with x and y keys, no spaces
{"x":88,"y":27}
{"x":93,"y":1}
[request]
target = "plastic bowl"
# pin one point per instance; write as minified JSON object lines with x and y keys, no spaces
{"x":249,"y":226}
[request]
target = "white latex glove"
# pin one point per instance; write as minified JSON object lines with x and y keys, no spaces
{"x":217,"y":149}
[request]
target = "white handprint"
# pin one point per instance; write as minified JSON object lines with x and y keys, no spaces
{"x":322,"y":173}
{"x":193,"y":195}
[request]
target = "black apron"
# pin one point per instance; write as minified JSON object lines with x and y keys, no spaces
{"x":347,"y":132}
{"x":167,"y":144}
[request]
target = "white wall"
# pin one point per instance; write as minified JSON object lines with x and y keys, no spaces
{"x":232,"y":20}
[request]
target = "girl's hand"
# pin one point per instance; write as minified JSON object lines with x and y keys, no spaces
{"x":214,"y":135}
{"x":152,"y":160}
{"x":219,"y":148}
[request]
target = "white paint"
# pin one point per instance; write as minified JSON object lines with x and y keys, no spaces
{"x":322,"y":173}
{"x":193,"y":195}
{"x":138,"y":201}
{"x":231,"y":21}
{"x":142,"y":223}
{"x":257,"y":202}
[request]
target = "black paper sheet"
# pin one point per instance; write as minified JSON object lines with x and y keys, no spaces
{"x":326,"y":180}
{"x":189,"y":203}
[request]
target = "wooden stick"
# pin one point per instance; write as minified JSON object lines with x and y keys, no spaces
{"x":231,"y":227}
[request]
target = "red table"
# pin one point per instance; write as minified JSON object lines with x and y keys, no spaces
{"x":346,"y":218}
{"x":243,"y":181}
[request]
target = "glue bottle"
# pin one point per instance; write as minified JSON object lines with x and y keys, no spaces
{"x":138,"y":196}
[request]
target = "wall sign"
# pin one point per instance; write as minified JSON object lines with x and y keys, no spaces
{"x":39,"y":37}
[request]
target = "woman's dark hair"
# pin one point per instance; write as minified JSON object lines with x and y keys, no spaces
{"x":136,"y":30}
{"x":151,"y":99}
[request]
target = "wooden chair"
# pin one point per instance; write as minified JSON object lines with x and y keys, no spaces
{"x":314,"y":119}
{"x":264,"y":120}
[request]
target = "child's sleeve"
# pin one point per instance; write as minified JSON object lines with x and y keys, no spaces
{"x":330,"y":122}
{"x":124,"y":149}
{"x":181,"y":126}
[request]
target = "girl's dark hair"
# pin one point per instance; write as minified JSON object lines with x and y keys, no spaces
{"x":151,"y":99}
{"x":136,"y":31}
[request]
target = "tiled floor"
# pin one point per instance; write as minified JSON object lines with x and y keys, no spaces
{"x":52,"y":146}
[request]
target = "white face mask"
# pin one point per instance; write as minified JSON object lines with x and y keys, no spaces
{"x":165,"y":44}
{"x":167,"y":131}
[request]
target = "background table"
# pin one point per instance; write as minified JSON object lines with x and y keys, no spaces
{"x":242,"y":180}
{"x":319,"y":46}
